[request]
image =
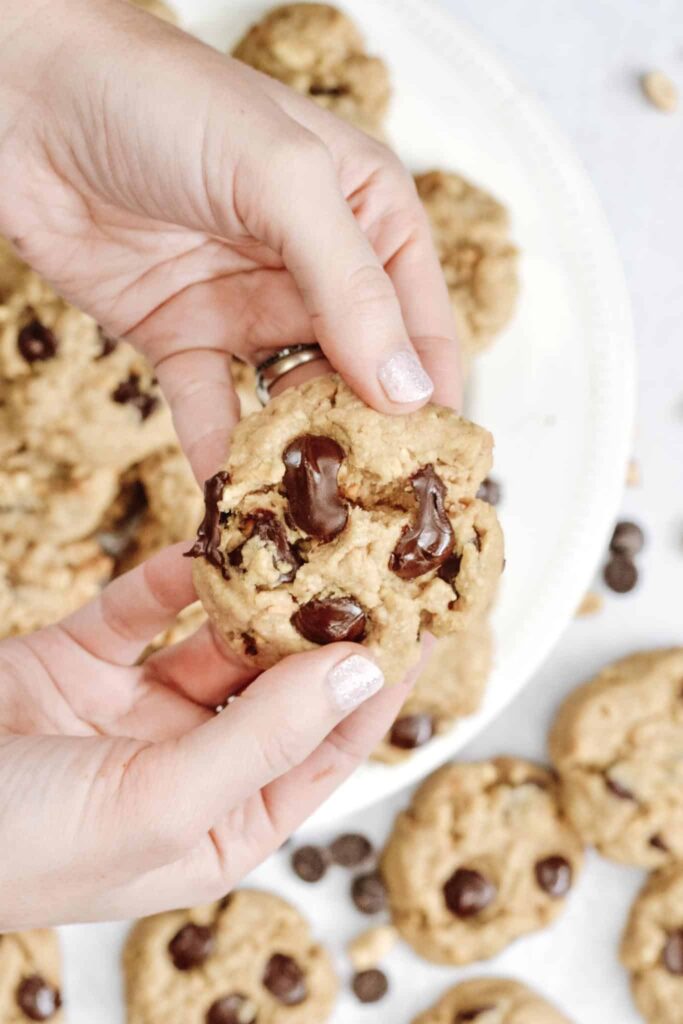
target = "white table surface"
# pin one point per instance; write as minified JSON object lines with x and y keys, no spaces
{"x":582,"y":58}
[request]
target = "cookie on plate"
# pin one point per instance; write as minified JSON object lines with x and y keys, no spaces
{"x":318,"y":51}
{"x":331,"y":521}
{"x":30,"y":977}
{"x":491,"y":1001}
{"x":450,"y":687}
{"x":471,"y":234}
{"x":617,"y":744}
{"x":249,"y":957}
{"x":482,"y":856}
{"x":652,"y":947}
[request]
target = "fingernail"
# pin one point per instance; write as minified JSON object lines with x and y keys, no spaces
{"x":353,"y":680}
{"x":404,"y":379}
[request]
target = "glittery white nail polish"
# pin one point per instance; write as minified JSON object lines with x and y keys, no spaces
{"x":353,"y":681}
{"x":404,"y":379}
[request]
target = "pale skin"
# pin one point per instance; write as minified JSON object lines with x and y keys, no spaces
{"x":197,"y":209}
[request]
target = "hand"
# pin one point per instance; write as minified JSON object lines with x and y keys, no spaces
{"x":197,"y":208}
{"x":123,"y":794}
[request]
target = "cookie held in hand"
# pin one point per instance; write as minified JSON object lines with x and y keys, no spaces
{"x":331,"y":521}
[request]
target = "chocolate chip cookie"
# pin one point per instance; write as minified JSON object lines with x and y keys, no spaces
{"x":491,"y":1001}
{"x":318,"y":51}
{"x":450,"y":687}
{"x":247,"y":958}
{"x":471,"y":233}
{"x":331,"y":521}
{"x":482,"y":856}
{"x":652,"y":947}
{"x":30,"y":977}
{"x":617,"y":743}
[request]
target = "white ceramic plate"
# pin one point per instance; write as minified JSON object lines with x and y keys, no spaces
{"x":557,"y":390}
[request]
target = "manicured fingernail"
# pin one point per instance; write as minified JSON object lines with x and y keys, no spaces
{"x":353,"y":680}
{"x":404,"y":379}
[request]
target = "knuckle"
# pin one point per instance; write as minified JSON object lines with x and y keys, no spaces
{"x":301,"y":152}
{"x":370,"y":285}
{"x":282,"y":750}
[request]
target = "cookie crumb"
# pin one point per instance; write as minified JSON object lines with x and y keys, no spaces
{"x":370,"y":947}
{"x":633,"y":478}
{"x":660,"y":90}
{"x":592,"y":604}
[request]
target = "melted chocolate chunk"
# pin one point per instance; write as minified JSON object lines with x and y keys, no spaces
{"x":411,"y":731}
{"x":658,"y":843}
{"x":329,"y":620}
{"x":191,"y":946}
{"x":265,"y":525}
{"x":129,"y":392}
{"x":232,"y":1009}
{"x":37,"y":998}
{"x":312,"y":465}
{"x":468,"y":1015}
{"x":310,"y":863}
{"x":673,"y":952}
{"x":207,"y":544}
{"x":285,"y":980}
{"x":468,"y":892}
{"x":36,"y":342}
{"x":428,"y":542}
{"x":350,"y":850}
{"x":370,"y":986}
{"x":554,"y":876}
{"x":107,"y":344}
{"x":619,"y":791}
{"x":450,"y":569}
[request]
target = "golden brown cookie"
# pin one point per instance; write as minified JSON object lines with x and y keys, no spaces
{"x":482,"y":856}
{"x":491,"y":1001}
{"x":30,"y":971}
{"x":617,"y":744}
{"x":331,"y":521}
{"x":249,"y":957}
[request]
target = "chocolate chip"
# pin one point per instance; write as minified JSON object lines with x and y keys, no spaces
{"x":411,"y":731}
{"x":450,"y":569}
{"x":554,"y":876}
{"x":285,"y":980}
{"x":265,"y":525}
{"x":328,"y":620}
{"x":37,"y":998}
{"x":107,"y":344}
{"x":467,"y":892}
{"x":370,"y":986}
{"x":36,"y":342}
{"x":369,"y":893}
{"x":328,"y":90}
{"x":490,"y":491}
{"x":620,"y":574}
{"x":232,"y":1009}
{"x":129,"y":392}
{"x":191,"y":946}
{"x":628,"y":539}
{"x":310,"y":863}
{"x":312,"y":464}
{"x":619,"y":791}
{"x":428,"y":542}
{"x":467,"y":1015}
{"x":207,"y":544}
{"x":250,"y":647}
{"x":673,"y":952}
{"x":658,"y":843}
{"x":350,"y":850}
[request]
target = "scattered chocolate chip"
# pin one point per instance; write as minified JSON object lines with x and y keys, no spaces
{"x":328,"y":90}
{"x":619,"y":791}
{"x":490,"y":490}
{"x":191,"y":946}
{"x":129,"y":392}
{"x":428,"y":542}
{"x":628,"y":539}
{"x":554,"y":876}
{"x":468,"y":1015}
{"x":312,"y":464}
{"x":350,"y":850}
{"x":36,"y":342}
{"x":207,"y":544}
{"x":620,"y":574}
{"x":467,"y":892}
{"x":285,"y":980}
{"x":370,"y":986}
{"x":310,"y":863}
{"x":107,"y":344}
{"x":411,"y":731}
{"x":328,"y":620}
{"x":658,"y":843}
{"x":369,"y":893}
{"x":37,"y":998}
{"x":250,"y":647}
{"x":673,"y":952}
{"x":232,"y":1009}
{"x":265,"y":525}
